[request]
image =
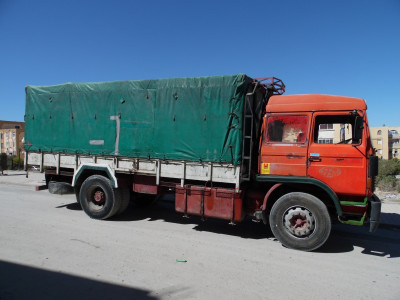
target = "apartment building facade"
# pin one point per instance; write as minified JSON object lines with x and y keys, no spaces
{"x":386,"y":141}
{"x":12,"y":137}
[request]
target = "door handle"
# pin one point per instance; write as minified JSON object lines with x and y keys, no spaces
{"x":314,"y":158}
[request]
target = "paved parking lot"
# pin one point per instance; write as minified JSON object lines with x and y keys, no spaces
{"x":50,"y":249}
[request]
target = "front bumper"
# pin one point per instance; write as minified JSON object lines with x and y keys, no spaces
{"x":375,"y":213}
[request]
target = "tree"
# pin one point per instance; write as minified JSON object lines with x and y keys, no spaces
{"x":3,"y":162}
{"x":386,"y":179}
{"x":17,"y":162}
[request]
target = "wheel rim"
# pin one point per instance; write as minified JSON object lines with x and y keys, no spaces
{"x":96,"y":198}
{"x":299,"y":221}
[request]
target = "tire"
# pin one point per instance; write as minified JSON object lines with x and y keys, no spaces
{"x":125,"y":200}
{"x":300,"y":221}
{"x":60,"y":188}
{"x":98,"y":198}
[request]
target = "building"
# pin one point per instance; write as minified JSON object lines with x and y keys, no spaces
{"x":12,"y":138}
{"x":386,"y":141}
{"x":334,"y":133}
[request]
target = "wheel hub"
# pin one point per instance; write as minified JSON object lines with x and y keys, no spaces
{"x":99,"y":197}
{"x":299,"y":221}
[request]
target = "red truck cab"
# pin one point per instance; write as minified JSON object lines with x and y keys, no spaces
{"x":317,"y":145}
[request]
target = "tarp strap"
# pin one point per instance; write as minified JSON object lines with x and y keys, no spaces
{"x":116,"y":118}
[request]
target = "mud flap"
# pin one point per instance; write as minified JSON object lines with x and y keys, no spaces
{"x":375,"y":216}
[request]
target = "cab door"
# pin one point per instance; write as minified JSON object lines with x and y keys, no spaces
{"x":336,"y":153}
{"x":284,"y":145}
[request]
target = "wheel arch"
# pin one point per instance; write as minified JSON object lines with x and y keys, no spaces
{"x":86,"y":170}
{"x":311,"y":186}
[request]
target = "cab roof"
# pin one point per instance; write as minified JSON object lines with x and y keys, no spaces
{"x":313,"y":102}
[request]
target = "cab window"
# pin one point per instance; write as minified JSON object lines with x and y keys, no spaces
{"x":286,"y":129}
{"x":336,"y":129}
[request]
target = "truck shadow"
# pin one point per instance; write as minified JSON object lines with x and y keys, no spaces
{"x":71,"y":206}
{"x":344,"y":238}
{"x":165,"y":211}
{"x":384,"y":243}
{"x":25,"y":282}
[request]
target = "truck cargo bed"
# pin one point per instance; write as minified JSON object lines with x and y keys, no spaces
{"x":211,"y":172}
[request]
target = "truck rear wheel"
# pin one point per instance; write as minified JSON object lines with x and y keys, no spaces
{"x":300,"y":221}
{"x":98,"y":198}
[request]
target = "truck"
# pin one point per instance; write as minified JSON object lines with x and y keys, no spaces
{"x":225,"y":147}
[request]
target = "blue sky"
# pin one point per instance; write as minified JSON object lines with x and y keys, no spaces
{"x":349,"y":48}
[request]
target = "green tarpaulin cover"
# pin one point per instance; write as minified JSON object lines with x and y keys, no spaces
{"x":191,"y":119}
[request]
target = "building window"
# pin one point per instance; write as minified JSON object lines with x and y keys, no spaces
{"x":379,"y":132}
{"x":325,"y":141}
{"x":379,"y":142}
{"x":326,"y":127}
{"x":380,"y":151}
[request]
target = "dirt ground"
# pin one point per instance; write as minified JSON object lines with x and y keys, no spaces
{"x":388,"y":197}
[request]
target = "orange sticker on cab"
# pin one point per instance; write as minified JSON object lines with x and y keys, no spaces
{"x":265,"y":168}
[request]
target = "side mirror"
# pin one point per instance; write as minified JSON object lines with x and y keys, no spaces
{"x":358,"y":128}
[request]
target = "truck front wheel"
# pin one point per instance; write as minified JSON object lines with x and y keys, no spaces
{"x":300,"y":221}
{"x":98,"y":198}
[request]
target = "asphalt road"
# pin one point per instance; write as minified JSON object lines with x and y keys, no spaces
{"x":49,"y":249}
